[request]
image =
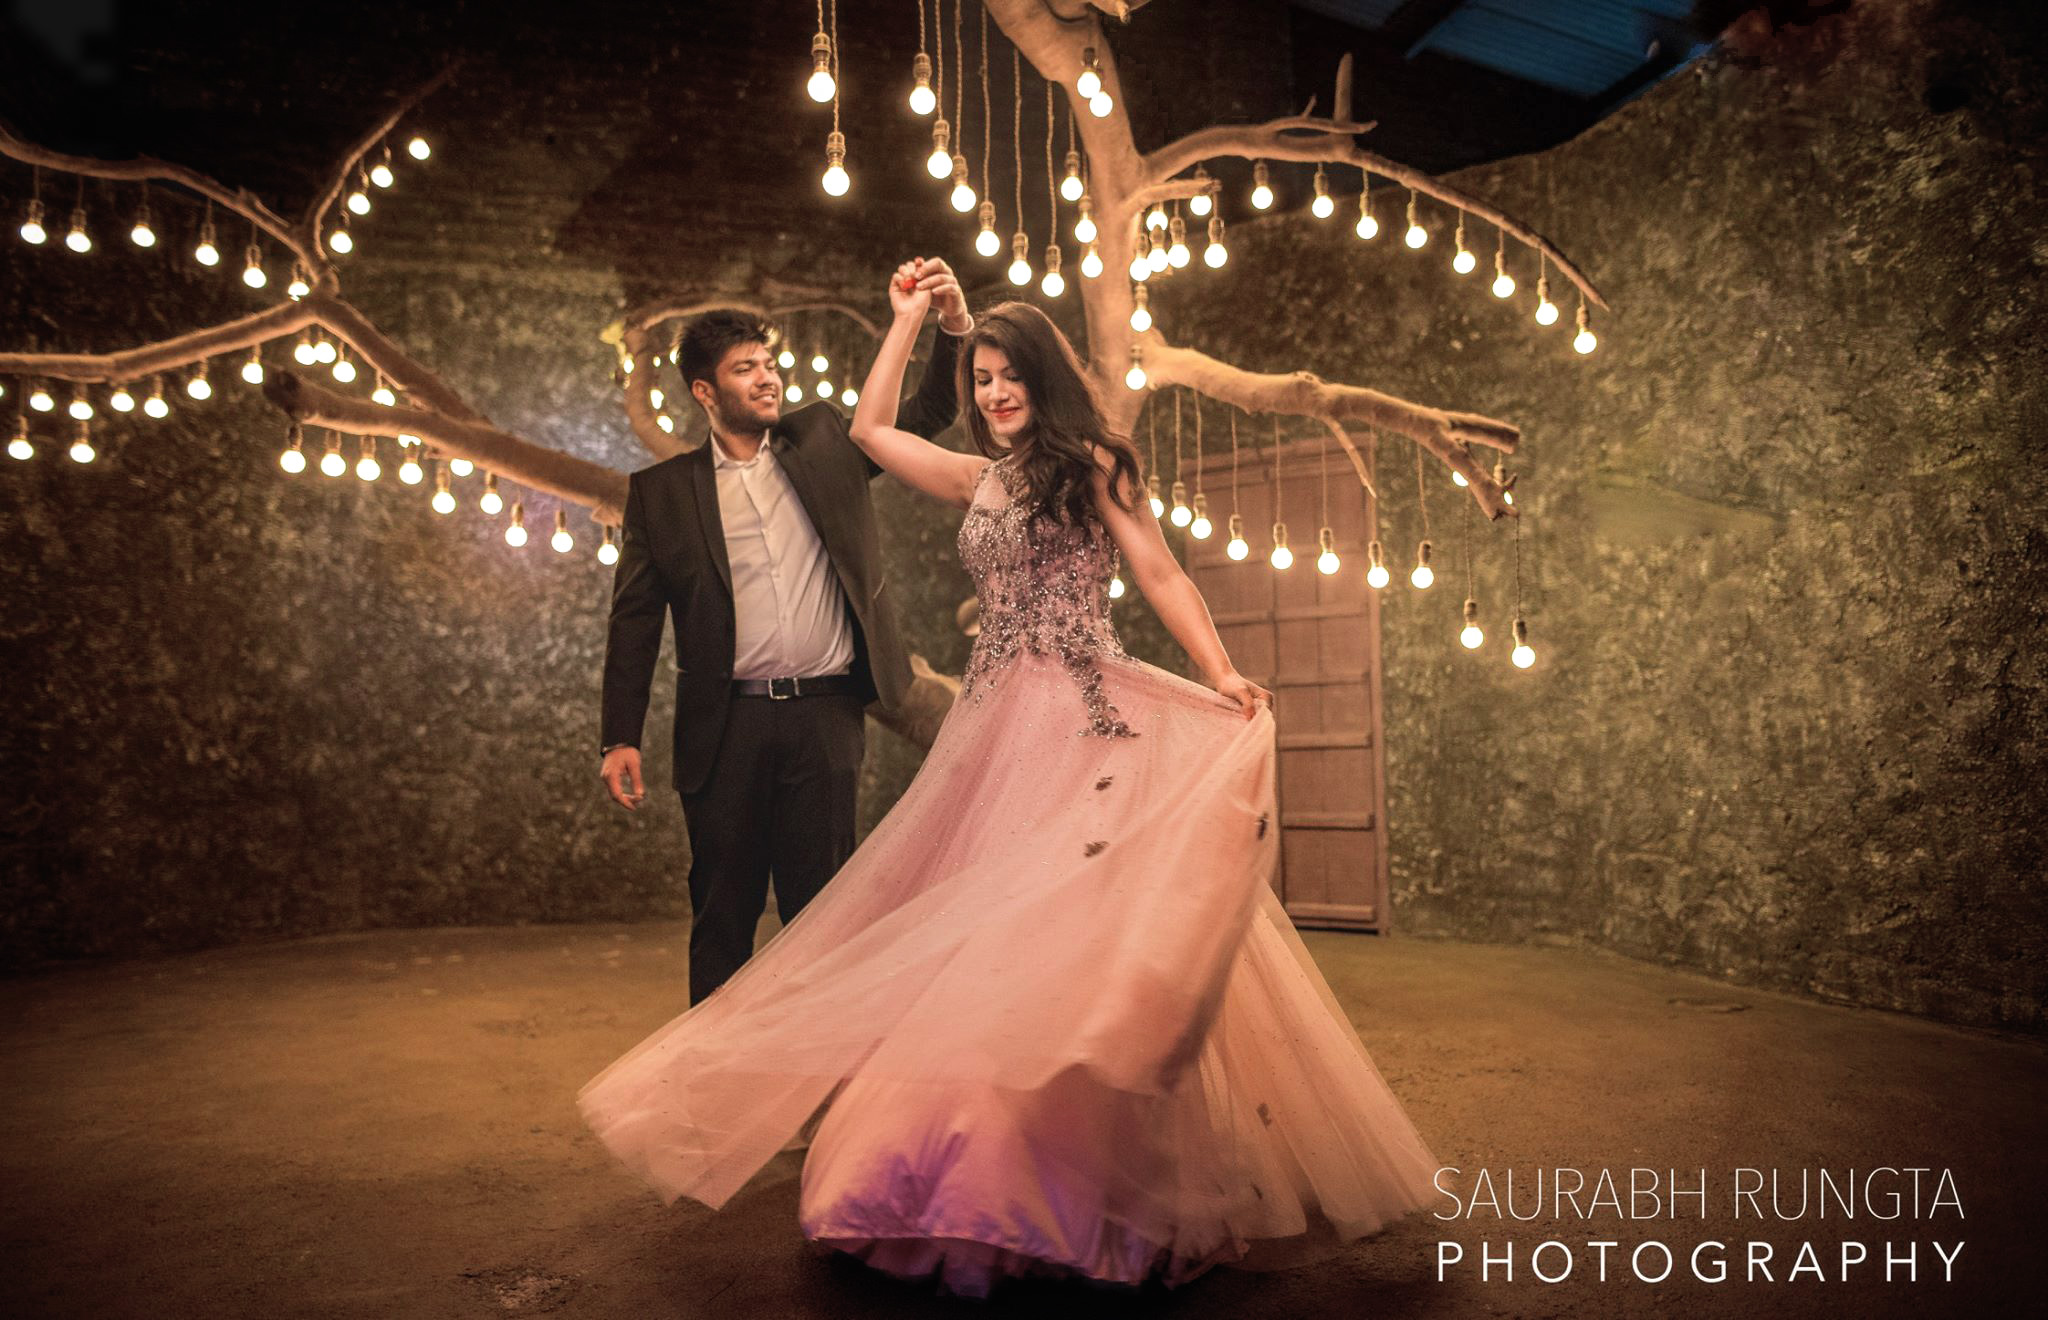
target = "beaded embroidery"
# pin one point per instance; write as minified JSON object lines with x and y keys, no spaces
{"x":1044,"y":588}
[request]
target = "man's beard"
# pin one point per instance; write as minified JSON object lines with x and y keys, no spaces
{"x":736,"y":413}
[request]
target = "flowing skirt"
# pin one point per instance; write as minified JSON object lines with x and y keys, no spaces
{"x":1049,"y":1018}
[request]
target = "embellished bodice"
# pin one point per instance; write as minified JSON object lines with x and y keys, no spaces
{"x":1044,"y":588}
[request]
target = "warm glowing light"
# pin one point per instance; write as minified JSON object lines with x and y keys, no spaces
{"x":332,"y":464}
{"x":298,"y":288}
{"x":380,"y":174}
{"x":198,"y":387}
{"x":1100,"y":105}
{"x":1503,"y":285}
{"x":1156,"y":217}
{"x":418,"y":148}
{"x":1141,"y":269}
{"x":344,"y":371}
{"x":367,"y":466}
{"x":383,"y":394}
{"x":940,"y":163}
{"x":1237,"y":547}
{"x":785,"y":359}
{"x":252,"y":370}
{"x":32,"y":230}
{"x":409,"y":470}
{"x":155,"y":405}
{"x":922,"y":99}
{"x":304,"y":353}
{"x":1262,"y":187}
{"x":849,"y":396}
{"x":607,"y":552}
{"x":19,"y":447}
{"x":41,"y":399}
{"x":1071,"y":187}
{"x":491,"y":502}
{"x":1084,"y":226}
{"x":81,"y":450}
{"x":836,"y":180}
{"x":293,"y":458}
{"x":1089,"y":83}
{"x":359,"y":202}
{"x":81,"y":407}
{"x":121,"y":400}
{"x":666,"y":423}
{"x":1416,"y":236}
{"x":78,"y":240}
{"x":515,"y":531}
{"x":1116,"y":588}
{"x":1135,"y":377}
{"x":325,"y":351}
{"x":1141,"y":310}
{"x":824,"y":389}
{"x":444,"y":501}
{"x":1464,"y":263}
{"x":461,"y":467}
{"x":1324,"y":205}
{"x":819,"y":362}
{"x":793,"y":393}
{"x":561,"y":540}
{"x":339,"y":241}
{"x":142,"y":235}
{"x":1091,"y":263}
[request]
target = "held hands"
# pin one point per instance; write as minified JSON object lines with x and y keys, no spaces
{"x":923,"y":283}
{"x":621,"y":768}
{"x":1247,"y":694}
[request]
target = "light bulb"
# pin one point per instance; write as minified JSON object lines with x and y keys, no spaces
{"x":1053,"y":285}
{"x":1020,"y":265}
{"x":1141,"y":269}
{"x":121,"y":400}
{"x":1327,"y":562}
{"x":41,"y":399}
{"x":78,"y":240}
{"x":515,"y":534}
{"x":1084,"y":227}
{"x":963,"y":192}
{"x":1378,"y":576}
{"x":325,"y":351}
{"x":1156,"y":217}
{"x":155,"y":405}
{"x":81,"y":407}
{"x":444,"y":501}
{"x":819,"y":362}
{"x":1237,"y":547}
{"x":252,"y":274}
{"x":785,"y":359}
{"x":1503,"y":285}
{"x":1100,"y":105}
{"x":332,"y":464}
{"x":492,"y":503}
{"x":849,"y":396}
{"x":339,"y":241}
{"x":1091,"y":263}
{"x":198,"y":387}
{"x":293,"y":458}
{"x":461,"y":467}
{"x":382,"y":394}
{"x":1181,"y":515}
{"x":81,"y":450}
{"x":1177,"y":246}
{"x":1135,"y":377}
{"x":1282,"y":558}
{"x":298,"y":288}
{"x":607,"y":552}
{"x":252,"y":370}
{"x":824,"y":389}
{"x":1215,"y":254}
{"x":1423,"y":575}
{"x":1584,"y":341}
{"x":1324,"y":205}
{"x":1204,"y":201}
{"x":418,"y":148}
{"x":1089,"y":83}
{"x":820,"y":85}
{"x":666,"y":423}
{"x":922,"y":100}
{"x":1416,"y":236}
{"x":940,"y":163}
{"x":1141,"y":310}
{"x":1116,"y":588}
{"x":561,"y":540}
{"x":304,"y":353}
{"x":1522,"y":655}
{"x":1546,"y":312}
{"x":1071,"y":187}
{"x":32,"y":230}
{"x":1464,"y":263}
{"x":1201,"y":528}
{"x":794,"y":393}
{"x":837,"y":182}
{"x":1458,"y":478}
{"x":344,"y":371}
{"x":206,"y":254}
{"x":380,"y":174}
{"x":1152,"y":500}
{"x":987,"y":243}
{"x":359,"y":202}
{"x":142,"y":235}
{"x":1471,"y":636}
{"x":1157,"y":259}
{"x":367,"y":467}
{"x":19,"y":447}
{"x":1262,"y":188}
{"x":1367,"y":227}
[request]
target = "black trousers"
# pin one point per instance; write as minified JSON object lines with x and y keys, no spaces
{"x":779,"y":803}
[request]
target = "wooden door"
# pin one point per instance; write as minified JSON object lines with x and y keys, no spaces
{"x":1315,"y":641}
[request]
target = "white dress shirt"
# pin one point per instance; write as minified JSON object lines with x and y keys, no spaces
{"x":787,"y":603}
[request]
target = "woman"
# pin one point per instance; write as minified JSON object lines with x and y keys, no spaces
{"x":1055,"y":1018}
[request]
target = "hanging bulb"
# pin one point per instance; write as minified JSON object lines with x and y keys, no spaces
{"x":1282,"y":558}
{"x":819,"y":362}
{"x":1327,"y":562}
{"x":1084,"y":224}
{"x":1141,"y":309}
{"x":32,"y":230}
{"x":1464,"y":262}
{"x":561,"y":540}
{"x":1215,"y":254}
{"x":1500,"y":478}
{"x":922,"y":99}
{"x":655,"y":398}
{"x":1416,"y":235}
{"x":1091,"y":263}
{"x":78,"y":240}
{"x":41,"y":399}
{"x":824,"y":389}
{"x":303,"y":352}
{"x":252,"y":370}
{"x":1071,"y":187}
{"x":367,"y":466}
{"x":19,"y":446}
{"x":1156,"y":217}
{"x":1367,"y":227}
{"x":820,"y":86}
{"x":988,"y":242}
{"x":1423,"y":574}
{"x":849,"y":396}
{"x":1471,"y":635}
{"x":1546,"y":310}
{"x":207,"y":253}
{"x":1262,"y":187}
{"x":607,"y":549}
{"x":1503,"y":283}
{"x":1135,"y":377}
{"x":359,"y":196}
{"x":1181,"y":515}
{"x":1237,"y":547}
{"x":1152,"y":500}
{"x":418,"y":148}
{"x":1202,"y":202}
{"x":81,"y":450}
{"x":383,"y":393}
{"x":121,"y":400}
{"x":940,"y":163}
{"x":409,"y":470}
{"x":1020,"y":264}
{"x":836,"y":180}
{"x":515,"y":531}
{"x":1054,"y":284}
{"x":1458,"y":478}
{"x":793,"y":393}
{"x":1377,"y":575}
{"x":443,"y":502}
{"x":1116,"y":588}
{"x":1141,"y":269}
{"x":293,"y":457}
{"x":155,"y":405}
{"x":1324,"y":205}
{"x":461,"y":467}
{"x":666,"y":423}
{"x":1177,"y":251}
{"x":785,"y":359}
{"x":1201,"y":527}
{"x":1089,"y":84}
{"x":332,"y":464}
{"x":143,"y":235}
{"x":199,"y":387}
{"x":963,"y":191}
{"x":344,"y":370}
{"x":380,"y":173}
{"x":325,"y":351}
{"x":339,"y":241}
{"x":1522,"y":655}
{"x":1584,"y":341}
{"x":81,"y":407}
{"x":1156,"y":258}
{"x":1100,"y":105}
{"x":490,"y":501}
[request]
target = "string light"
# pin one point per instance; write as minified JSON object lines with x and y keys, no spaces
{"x":303,"y":352}
{"x":1584,"y":341}
{"x":922,"y":99}
{"x":383,"y":393}
{"x":298,"y":288}
{"x":1324,"y":205}
{"x":1237,"y":548}
{"x":1215,"y":254}
{"x":1141,"y":269}
{"x":198,"y":386}
{"x":1422,"y":574}
{"x":1282,"y":558}
{"x":207,"y":252}
{"x":1054,"y":284}
{"x":1070,"y":186}
{"x":81,"y":406}
{"x":1020,"y":263}
{"x":1135,"y":377}
{"x":1202,"y":202}
{"x":1141,"y":309}
{"x":252,"y":370}
{"x":344,"y":370}
{"x":1523,"y":655}
{"x":607,"y":549}
{"x":380,"y":173}
{"x":443,"y":502}
{"x":515,"y":531}
{"x":962,"y":196}
{"x":1327,"y":562}
{"x":1377,"y":575}
{"x":490,"y":501}
{"x":252,"y":269}
{"x":143,"y":234}
{"x":1464,"y":263}
{"x":821,"y":87}
{"x":40,"y":399}
{"x":1471,"y":636}
{"x":1177,"y":253}
{"x":156,"y":405}
{"x":1155,"y":256}
{"x":19,"y":446}
{"x":1156,"y":217}
{"x":121,"y":400}
{"x":339,"y":241}
{"x":1367,"y":227}
{"x":1503,"y":283}
{"x":325,"y":351}
{"x":1152,"y":500}
{"x":81,"y":450}
{"x":1181,"y":514}
{"x":409,"y":470}
{"x":1020,"y":246}
{"x":1416,"y":235}
{"x":1084,"y":225}
{"x":292,"y":458}
{"x":1546,"y":310}
{"x":77,"y":239}
{"x":1262,"y":187}
{"x":1091,"y":263}
{"x":1089,"y":83}
{"x":359,"y":196}
{"x":561,"y":540}
{"x":418,"y":148}
{"x":986,"y":242}
{"x":367,"y":466}
{"x":32,"y":231}
{"x":332,"y":464}
{"x":836,"y":180}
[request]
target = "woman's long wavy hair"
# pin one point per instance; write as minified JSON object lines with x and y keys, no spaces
{"x":1056,"y":455}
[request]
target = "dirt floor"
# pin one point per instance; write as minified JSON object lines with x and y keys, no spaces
{"x":383,"y":1125}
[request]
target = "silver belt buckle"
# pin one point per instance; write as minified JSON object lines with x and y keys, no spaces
{"x":794,"y":689}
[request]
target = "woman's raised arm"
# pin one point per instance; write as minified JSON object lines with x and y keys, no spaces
{"x":918,"y":463}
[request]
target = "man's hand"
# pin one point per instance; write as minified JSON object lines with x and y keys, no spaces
{"x":906,"y":298}
{"x":938,"y":279}
{"x":621,"y":769}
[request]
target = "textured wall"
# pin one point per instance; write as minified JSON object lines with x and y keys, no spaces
{"x":1783,"y":559}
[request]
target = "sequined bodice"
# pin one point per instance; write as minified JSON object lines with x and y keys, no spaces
{"x":1044,"y":588}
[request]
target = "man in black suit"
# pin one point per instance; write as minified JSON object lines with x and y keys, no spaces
{"x":761,"y":545}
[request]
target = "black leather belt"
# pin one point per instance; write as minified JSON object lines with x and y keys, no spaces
{"x":781,"y":689}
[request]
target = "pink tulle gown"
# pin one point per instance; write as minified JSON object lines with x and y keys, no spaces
{"x":1055,"y":1018}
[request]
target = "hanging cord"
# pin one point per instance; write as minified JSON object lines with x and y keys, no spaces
{"x":1233,"y":460}
{"x":986,"y":117}
{"x":1421,"y":493}
{"x":959,"y":79}
{"x":1017,"y":129}
{"x":835,"y":61}
{"x":1052,"y":200}
{"x":1199,"y":464}
{"x":1276,"y":469}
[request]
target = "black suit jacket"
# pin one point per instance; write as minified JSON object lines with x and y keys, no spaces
{"x":672,"y":559}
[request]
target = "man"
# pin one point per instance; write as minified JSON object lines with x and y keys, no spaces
{"x":761,"y":545}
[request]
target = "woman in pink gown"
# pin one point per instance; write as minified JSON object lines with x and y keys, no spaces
{"x":1050,"y":1017}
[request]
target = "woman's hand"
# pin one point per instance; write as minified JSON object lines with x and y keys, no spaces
{"x":906,"y":299}
{"x":1244,"y":692}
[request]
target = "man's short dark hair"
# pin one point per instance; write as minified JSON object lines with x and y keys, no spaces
{"x":704,"y":342}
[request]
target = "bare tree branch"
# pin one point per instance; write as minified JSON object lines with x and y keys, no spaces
{"x":316,"y":213}
{"x":166,"y":354}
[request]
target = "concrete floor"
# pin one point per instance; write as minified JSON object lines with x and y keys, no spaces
{"x":382,"y":1125}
